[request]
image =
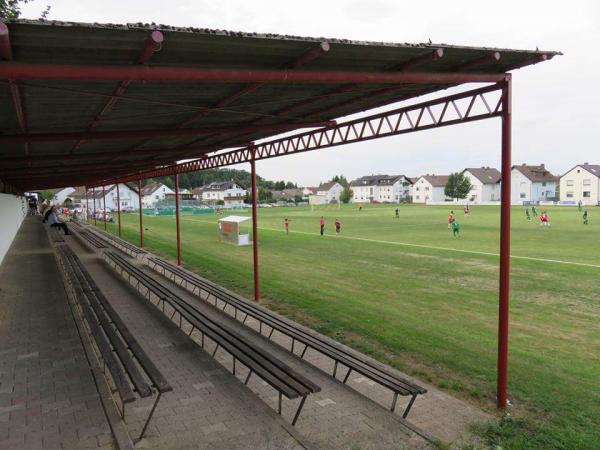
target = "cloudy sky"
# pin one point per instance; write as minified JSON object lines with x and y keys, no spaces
{"x":556,"y":104}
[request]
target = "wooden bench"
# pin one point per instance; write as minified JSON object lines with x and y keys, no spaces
{"x":55,"y":235}
{"x":91,"y":240}
{"x":133,"y":373}
{"x":341,"y":354}
{"x":280,"y":376}
{"x":119,"y":243}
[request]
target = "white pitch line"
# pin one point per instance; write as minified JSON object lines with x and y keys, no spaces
{"x":430,"y":247}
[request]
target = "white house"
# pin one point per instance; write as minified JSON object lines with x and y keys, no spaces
{"x":60,"y":195}
{"x":154,"y":192}
{"x":532,"y":184}
{"x":229,"y":192}
{"x":306,"y":191}
{"x":581,"y":183}
{"x":485,"y":183}
{"x":429,"y":188}
{"x":331,"y":191}
{"x":380,"y":188}
{"x":128,"y":197}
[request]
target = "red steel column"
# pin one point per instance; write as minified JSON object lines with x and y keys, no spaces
{"x":140,"y":205}
{"x":119,"y":209}
{"x":504,"y":294}
{"x":87,"y":206}
{"x":94,"y":195}
{"x":104,"y":206}
{"x":255,"y":227}
{"x":177,"y":219}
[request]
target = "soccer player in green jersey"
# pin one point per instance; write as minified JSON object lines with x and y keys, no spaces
{"x":455,"y":228}
{"x":534,"y":211}
{"x":585,"y":217}
{"x":527,"y":215}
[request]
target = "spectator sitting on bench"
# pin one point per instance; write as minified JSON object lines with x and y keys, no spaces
{"x":55,"y":222}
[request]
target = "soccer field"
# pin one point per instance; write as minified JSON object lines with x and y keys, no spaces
{"x":407,"y":292}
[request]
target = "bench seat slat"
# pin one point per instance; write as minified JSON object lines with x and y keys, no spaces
{"x":125,"y":392}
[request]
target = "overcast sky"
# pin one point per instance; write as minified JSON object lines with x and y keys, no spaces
{"x":556,"y":107}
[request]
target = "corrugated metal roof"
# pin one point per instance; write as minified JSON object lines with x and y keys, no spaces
{"x":72,"y":106}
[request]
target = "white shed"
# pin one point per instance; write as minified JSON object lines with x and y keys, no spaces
{"x":234,"y":229}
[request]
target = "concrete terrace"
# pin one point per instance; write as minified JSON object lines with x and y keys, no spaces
{"x":49,"y":399}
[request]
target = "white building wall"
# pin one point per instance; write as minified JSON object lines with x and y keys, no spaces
{"x":520,"y":188}
{"x":491,"y":192}
{"x":333,"y":194}
{"x":13,"y":210}
{"x":61,"y":196}
{"x":576,"y":183}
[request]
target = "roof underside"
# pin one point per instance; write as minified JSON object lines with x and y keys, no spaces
{"x":81,"y":106}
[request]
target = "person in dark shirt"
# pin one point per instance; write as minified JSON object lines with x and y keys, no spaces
{"x":322,"y":224}
{"x":338,"y":226}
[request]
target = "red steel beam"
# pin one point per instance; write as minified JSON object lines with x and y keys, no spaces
{"x":102,"y":155}
{"x":504,"y":282}
{"x":255,"y":225}
{"x":177,"y":228}
{"x":409,"y":119}
{"x":138,"y":134}
{"x":33,"y":71}
{"x":119,"y":209}
{"x":80,"y":168}
{"x":87,"y":205}
{"x":94,"y":197}
{"x":104,"y":207}
{"x":152,"y":44}
{"x":139,"y":180}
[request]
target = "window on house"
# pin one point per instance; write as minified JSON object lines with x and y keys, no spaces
{"x":587,"y":182}
{"x":426,"y":188}
{"x":543,"y":183}
{"x":587,"y":194}
{"x":523,"y":195}
{"x":569,"y":194}
{"x":570,"y":182}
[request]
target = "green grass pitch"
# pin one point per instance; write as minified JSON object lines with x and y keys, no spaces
{"x":407,"y":292}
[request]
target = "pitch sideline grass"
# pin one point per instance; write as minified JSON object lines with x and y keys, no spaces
{"x":433,"y":313}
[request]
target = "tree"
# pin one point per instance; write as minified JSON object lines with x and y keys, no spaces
{"x":47,"y":196}
{"x":11,"y":9}
{"x":458,"y":186}
{"x":346,"y":195}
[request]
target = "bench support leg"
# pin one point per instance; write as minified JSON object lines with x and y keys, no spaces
{"x":279,"y":405}
{"x":304,"y":351}
{"x":298,"y":410}
{"x":233,"y":365}
{"x":260,"y":328}
{"x":215,"y":351}
{"x":248,"y":378}
{"x":293,"y":344}
{"x":244,"y":321}
{"x":335,"y":369}
{"x":271,"y":333}
{"x":407,"y":410}
{"x":393,"y":408}
{"x":347,"y":375}
{"x":149,"y":417}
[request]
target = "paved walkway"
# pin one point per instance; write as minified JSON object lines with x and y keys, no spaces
{"x":48,"y":398}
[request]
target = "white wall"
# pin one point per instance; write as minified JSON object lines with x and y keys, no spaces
{"x":13,"y":210}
